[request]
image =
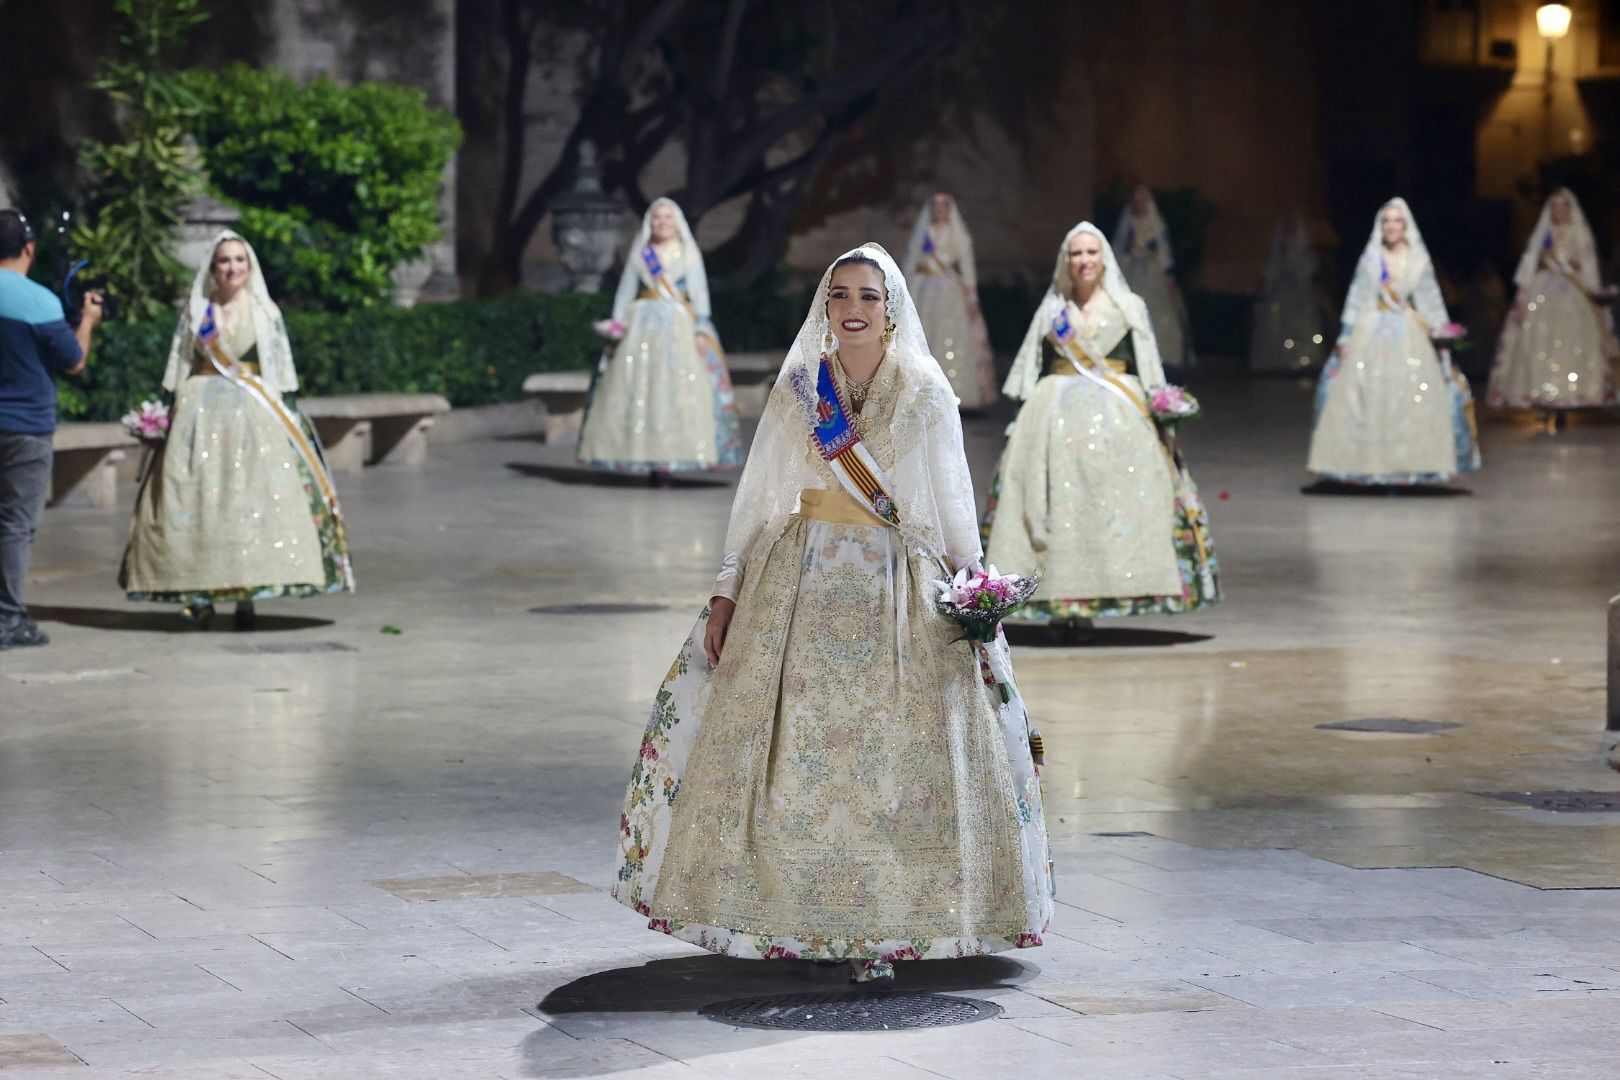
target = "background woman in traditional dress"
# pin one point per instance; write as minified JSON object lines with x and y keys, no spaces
{"x":826,"y":773}
{"x":1390,"y":409}
{"x":238,"y":504}
{"x":944,"y":281}
{"x":1558,"y":348}
{"x":1288,"y":336}
{"x":1142,"y":242}
{"x":662,"y":401}
{"x":1089,"y":495}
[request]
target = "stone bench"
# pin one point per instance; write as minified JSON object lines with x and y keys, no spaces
{"x":373,"y":429}
{"x":752,"y":376}
{"x":563,"y":393}
{"x":84,"y":468}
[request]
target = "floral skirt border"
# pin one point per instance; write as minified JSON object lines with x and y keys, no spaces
{"x":746,"y":946}
{"x":1195,"y":558}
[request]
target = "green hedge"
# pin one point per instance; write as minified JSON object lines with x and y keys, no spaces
{"x":474,"y":352}
{"x":336,"y":184}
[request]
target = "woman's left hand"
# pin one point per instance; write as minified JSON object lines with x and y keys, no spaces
{"x":704,"y":343}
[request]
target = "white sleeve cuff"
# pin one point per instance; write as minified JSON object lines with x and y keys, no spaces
{"x":728,"y":583}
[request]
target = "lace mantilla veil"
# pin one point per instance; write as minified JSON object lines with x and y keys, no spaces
{"x":274,"y":349}
{"x":1426,"y":298}
{"x":1026,"y":369}
{"x":960,"y":245}
{"x":921,"y":450}
{"x":1580,"y":239}
{"x":689,"y":266}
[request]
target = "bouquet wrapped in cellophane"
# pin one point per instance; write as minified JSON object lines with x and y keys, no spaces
{"x":977,"y":601}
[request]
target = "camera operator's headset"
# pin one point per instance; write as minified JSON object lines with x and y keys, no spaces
{"x":27,"y":229}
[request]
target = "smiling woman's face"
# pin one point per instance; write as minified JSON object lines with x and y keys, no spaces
{"x":855,"y":304}
{"x":663,"y":223}
{"x":1085,"y":259}
{"x":1392,"y":225}
{"x":230,"y":266}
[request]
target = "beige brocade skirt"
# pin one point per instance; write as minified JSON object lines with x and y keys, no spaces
{"x":849,"y":785}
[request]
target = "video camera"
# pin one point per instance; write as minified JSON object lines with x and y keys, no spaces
{"x":70,"y":272}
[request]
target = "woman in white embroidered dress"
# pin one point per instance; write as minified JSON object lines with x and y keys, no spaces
{"x":1557,"y":350}
{"x":1287,"y":335}
{"x":1142,"y":242}
{"x":826,"y":773}
{"x":1390,"y":409}
{"x":945,"y":284}
{"x":662,"y":401}
{"x":237,"y":504}
{"x":1090,"y":494}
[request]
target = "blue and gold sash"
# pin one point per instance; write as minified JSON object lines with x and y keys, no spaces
{"x":303,"y":445}
{"x":834,"y":436}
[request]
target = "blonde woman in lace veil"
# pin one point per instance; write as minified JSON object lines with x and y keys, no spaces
{"x":1557,"y":349}
{"x":1142,"y":243}
{"x":662,"y":401}
{"x":1090,"y":494}
{"x":1289,"y":331}
{"x":945,"y":284}
{"x":826,"y":773}
{"x":238,"y":503}
{"x":1391,"y":409}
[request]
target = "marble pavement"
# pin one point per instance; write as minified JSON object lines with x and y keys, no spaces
{"x":326,"y":850}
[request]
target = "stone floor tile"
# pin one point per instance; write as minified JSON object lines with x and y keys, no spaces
{"x":482,"y":886}
{"x":32,"y":1051}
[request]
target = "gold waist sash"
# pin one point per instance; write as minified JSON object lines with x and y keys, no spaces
{"x":837,"y":506}
{"x":206,"y":368}
{"x":1065,"y":366}
{"x":654,"y":294}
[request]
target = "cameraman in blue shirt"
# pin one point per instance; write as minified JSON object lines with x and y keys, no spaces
{"x":36,"y":345}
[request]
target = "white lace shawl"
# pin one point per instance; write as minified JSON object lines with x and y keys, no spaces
{"x":1133,"y":233}
{"x":1577,"y":242}
{"x":688,"y":269}
{"x":1417,"y":282}
{"x":1026,"y":369}
{"x":270,"y":334}
{"x":921,"y":452}
{"x":953,"y":244}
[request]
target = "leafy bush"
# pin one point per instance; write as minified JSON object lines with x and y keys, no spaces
{"x":140,"y":186}
{"x":474,"y":352}
{"x":762,"y":318}
{"x":337,"y":185}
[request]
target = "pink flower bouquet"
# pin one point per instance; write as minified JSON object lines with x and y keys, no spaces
{"x":1172,"y":404}
{"x":612,"y":329}
{"x":978,"y":601}
{"x":1450,"y":336}
{"x":149,"y":422}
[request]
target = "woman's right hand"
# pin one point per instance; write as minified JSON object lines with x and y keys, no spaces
{"x":714,"y":636}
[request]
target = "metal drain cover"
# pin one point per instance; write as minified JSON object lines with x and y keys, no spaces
{"x":596,"y":609}
{"x":1562,"y":802}
{"x":1390,"y":724}
{"x":292,"y":647}
{"x":852,"y":1012}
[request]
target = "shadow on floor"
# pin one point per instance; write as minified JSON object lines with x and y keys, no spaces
{"x":166,"y":620}
{"x":1060,"y":636}
{"x":582,"y":474}
{"x":1410,"y":491}
{"x":663,"y":995}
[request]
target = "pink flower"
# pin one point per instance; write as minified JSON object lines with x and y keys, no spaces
{"x":777,"y":952}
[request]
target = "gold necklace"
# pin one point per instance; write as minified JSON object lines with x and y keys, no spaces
{"x":857,"y":392}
